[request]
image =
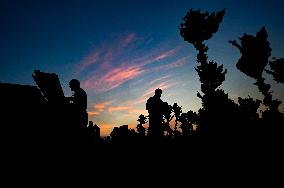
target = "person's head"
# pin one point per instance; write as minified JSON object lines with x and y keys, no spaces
{"x":158,"y":92}
{"x":91,"y":123}
{"x":74,"y":84}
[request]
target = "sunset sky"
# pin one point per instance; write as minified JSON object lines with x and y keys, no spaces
{"x":122,"y":50}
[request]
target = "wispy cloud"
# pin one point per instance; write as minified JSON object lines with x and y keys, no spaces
{"x":163,"y":82}
{"x":120,"y":108}
{"x":165,"y":54}
{"x":178,"y":63}
{"x":163,"y":85}
{"x":159,"y":79}
{"x":140,"y":100}
{"x":92,"y":58}
{"x":175,"y":64}
{"x":102,"y":105}
{"x":93,"y":113}
{"x":130,"y":110}
{"x":154,"y":56}
{"x":113,"y":63}
{"x":112,"y":68}
{"x":105,"y":53}
{"x":112,"y":78}
{"x":98,"y":108}
{"x":130,"y":38}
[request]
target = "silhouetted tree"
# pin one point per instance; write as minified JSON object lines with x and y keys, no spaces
{"x":200,"y":26}
{"x":187,"y":121}
{"x":140,"y":129}
{"x":255,"y":52}
{"x":218,"y":110}
{"x":186,"y":126}
{"x":167,"y":119}
{"x":119,"y":134}
{"x":249,"y":107}
{"x":132,"y":136}
{"x":177,"y":112}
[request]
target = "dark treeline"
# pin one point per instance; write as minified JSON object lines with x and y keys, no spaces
{"x":43,"y":115}
{"x":220,"y":121}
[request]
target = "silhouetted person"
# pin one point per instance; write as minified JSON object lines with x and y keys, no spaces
{"x":93,"y":130}
{"x":78,"y":103}
{"x":79,"y":97}
{"x":155,"y":107}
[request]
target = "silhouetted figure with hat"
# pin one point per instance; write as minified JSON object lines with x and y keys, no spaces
{"x":155,"y":108}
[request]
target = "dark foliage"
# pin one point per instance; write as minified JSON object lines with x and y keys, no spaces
{"x":277,"y":69}
{"x":255,"y":52}
{"x":199,"y":26}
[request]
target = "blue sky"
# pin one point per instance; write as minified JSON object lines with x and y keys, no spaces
{"x":122,"y":50}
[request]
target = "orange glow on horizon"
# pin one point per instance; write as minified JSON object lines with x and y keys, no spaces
{"x":106,"y":129}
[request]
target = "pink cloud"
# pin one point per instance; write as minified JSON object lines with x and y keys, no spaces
{"x":160,"y":79}
{"x":105,"y":53}
{"x":135,"y":101}
{"x":116,"y":76}
{"x":152,"y":86}
{"x":130,"y":38}
{"x":178,"y":63}
{"x":164,"y":55}
{"x":140,"y":100}
{"x":119,"y":75}
{"x":87,"y":61}
{"x":148,"y":59}
{"x":112,"y":79}
{"x":106,"y":60}
{"x":110,"y":73}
